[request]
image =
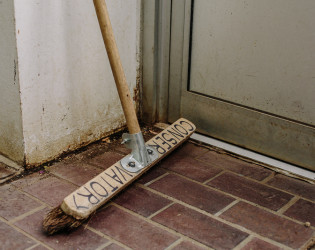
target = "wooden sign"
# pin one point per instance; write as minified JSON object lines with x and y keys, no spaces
{"x":85,"y":200}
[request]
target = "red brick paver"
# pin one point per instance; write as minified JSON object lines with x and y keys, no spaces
{"x":50,"y":190}
{"x":191,"y":168}
{"x":303,"y":211}
{"x":251,"y":191}
{"x":189,"y":150}
{"x":40,"y":247}
{"x":77,"y":173}
{"x":260,"y":244}
{"x":187,"y":245}
{"x":238,"y":166}
{"x":200,"y":227}
{"x":294,"y":186}
{"x":268,"y":225}
{"x":79,"y":239}
{"x":196,"y":198}
{"x":113,"y":246}
{"x":192,"y":193}
{"x":14,"y":203}
{"x":151,"y":175}
{"x":141,"y":201}
{"x":105,"y":160}
{"x":12,"y":239}
{"x":131,"y":230}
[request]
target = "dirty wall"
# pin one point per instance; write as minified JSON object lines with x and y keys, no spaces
{"x":65,"y":94}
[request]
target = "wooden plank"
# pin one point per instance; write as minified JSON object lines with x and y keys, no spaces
{"x":86,"y":199}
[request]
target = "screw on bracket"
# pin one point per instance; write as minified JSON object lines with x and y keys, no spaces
{"x":150,"y":152}
{"x":131,"y":164}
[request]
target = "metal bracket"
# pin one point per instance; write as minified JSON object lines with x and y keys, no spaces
{"x":141,"y":154}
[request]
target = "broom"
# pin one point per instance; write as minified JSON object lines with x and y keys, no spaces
{"x":79,"y":205}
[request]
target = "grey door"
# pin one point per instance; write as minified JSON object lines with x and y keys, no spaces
{"x":244,"y":72}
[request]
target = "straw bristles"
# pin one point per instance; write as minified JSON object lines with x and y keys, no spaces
{"x":58,"y":221}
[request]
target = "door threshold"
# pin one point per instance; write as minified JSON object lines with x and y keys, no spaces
{"x":275,"y":164}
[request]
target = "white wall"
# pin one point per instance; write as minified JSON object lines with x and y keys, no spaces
{"x":68,"y":96}
{"x":11,"y":137}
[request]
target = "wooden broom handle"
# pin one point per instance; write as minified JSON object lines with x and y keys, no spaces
{"x":117,"y":69}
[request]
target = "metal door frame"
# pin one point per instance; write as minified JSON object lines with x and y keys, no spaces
{"x":156,"y":30}
{"x":246,"y":127}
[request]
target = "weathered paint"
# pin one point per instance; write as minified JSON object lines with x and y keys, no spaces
{"x":68,"y":95}
{"x":11,"y":137}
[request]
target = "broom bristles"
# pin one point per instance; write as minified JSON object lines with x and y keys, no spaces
{"x":58,"y":221}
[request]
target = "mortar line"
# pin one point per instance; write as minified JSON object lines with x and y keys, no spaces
{"x":224,"y":221}
{"x":174,"y":244}
{"x":268,"y":178}
{"x":104,"y":245}
{"x":226,"y":208}
{"x":159,"y":225}
{"x":22,"y":216}
{"x":288,"y":205}
{"x":234,"y":157}
{"x":156,"y":179}
{"x":228,"y":171}
{"x":210,"y":179}
{"x":270,"y":186}
{"x":32,"y":197}
{"x":308,"y":243}
{"x":24,"y":233}
{"x":112,"y":240}
{"x":239,"y":227}
{"x":161,"y":210}
{"x":244,"y":242}
{"x":264,"y":165}
{"x":32,"y":247}
{"x":258,"y":159}
{"x":235,"y":197}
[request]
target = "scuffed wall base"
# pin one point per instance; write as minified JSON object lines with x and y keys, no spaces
{"x":78,"y":139}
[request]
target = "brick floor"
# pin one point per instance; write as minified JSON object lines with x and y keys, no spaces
{"x":75,"y":240}
{"x":196,"y":198}
{"x":268,"y":224}
{"x":294,"y":186}
{"x":235,"y":165}
{"x":200,"y":227}
{"x":12,"y":239}
{"x":303,"y":211}
{"x":251,"y":191}
{"x":50,"y":190}
{"x":77,"y":173}
{"x":192,"y":193}
{"x":132,"y":231}
{"x":187,"y":245}
{"x":14,"y":202}
{"x":259,"y":244}
{"x":191,"y":168}
{"x":141,"y":201}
